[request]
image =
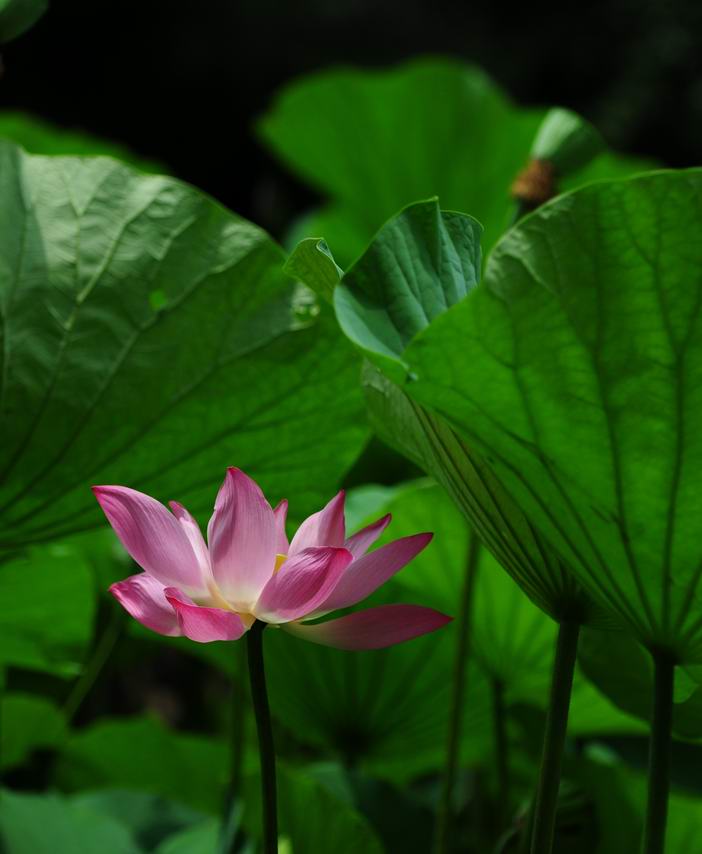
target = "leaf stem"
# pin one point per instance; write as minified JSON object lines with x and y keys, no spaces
{"x":499,"y":719}
{"x":659,"y":758}
{"x":444,"y":811}
{"x":554,"y":737}
{"x":259,"y":699}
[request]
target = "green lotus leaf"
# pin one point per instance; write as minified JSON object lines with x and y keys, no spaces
{"x":151,"y":339}
{"x":374,"y":141}
{"x":575,"y":369}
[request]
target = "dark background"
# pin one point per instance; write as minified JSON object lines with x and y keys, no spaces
{"x":182,"y":82}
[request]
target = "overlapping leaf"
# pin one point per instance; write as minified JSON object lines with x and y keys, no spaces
{"x":150,"y":338}
{"x":420,"y":264}
{"x":576,"y":370}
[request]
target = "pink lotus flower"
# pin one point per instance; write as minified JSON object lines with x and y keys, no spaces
{"x":247,"y":571}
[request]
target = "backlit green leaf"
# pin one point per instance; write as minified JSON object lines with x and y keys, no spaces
{"x":374,"y":141}
{"x":575,"y":369}
{"x":151,"y":339}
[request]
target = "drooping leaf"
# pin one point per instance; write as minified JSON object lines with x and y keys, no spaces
{"x":47,"y":621}
{"x":422,"y":261}
{"x":52,"y":824}
{"x":140,"y":753}
{"x":38,"y":136}
{"x":574,"y":369}
{"x":27,"y":722}
{"x":382,"y":304}
{"x":374,"y":141}
{"x":511,"y":639}
{"x":17,"y":16}
{"x":312,"y":263}
{"x":150,"y":338}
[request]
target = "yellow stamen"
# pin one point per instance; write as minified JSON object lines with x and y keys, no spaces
{"x":279,"y":561}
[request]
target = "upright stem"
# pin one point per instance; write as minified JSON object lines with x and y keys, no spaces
{"x":259,"y":699}
{"x":499,"y":717}
{"x":554,"y":738}
{"x":443,"y":817}
{"x":231,"y":810}
{"x":659,"y":754}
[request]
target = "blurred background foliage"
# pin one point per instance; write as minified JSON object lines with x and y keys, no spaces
{"x":119,"y":740}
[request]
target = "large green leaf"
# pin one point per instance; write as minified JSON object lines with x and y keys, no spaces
{"x":420,"y":264}
{"x":374,"y":141}
{"x":51,"y":824}
{"x":575,"y":369}
{"x":150,"y":338}
{"x":48,"y":618}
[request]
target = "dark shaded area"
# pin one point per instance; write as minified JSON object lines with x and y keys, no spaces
{"x":183,"y":82}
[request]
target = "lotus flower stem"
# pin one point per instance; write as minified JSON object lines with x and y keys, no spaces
{"x":231,"y":812}
{"x":259,"y":699}
{"x":453,"y":742}
{"x":499,"y":717}
{"x":554,"y":737}
{"x":659,"y":754}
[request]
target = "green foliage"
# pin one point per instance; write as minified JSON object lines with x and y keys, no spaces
{"x":422,"y":261}
{"x":384,"y":711}
{"x":623,"y":670}
{"x":374,"y":141}
{"x":588,"y":318}
{"x":409,"y":276}
{"x":27,"y":722}
{"x":142,"y":753}
{"x":311,"y":818}
{"x":312,"y":263}
{"x":51,"y":824}
{"x":149,"y":337}
{"x":112,"y":273}
{"x":50,"y":622}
